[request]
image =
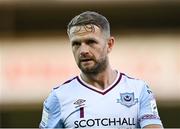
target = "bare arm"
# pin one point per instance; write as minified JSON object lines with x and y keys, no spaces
{"x":153,"y":126}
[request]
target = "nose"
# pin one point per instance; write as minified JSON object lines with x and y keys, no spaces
{"x":84,"y":49}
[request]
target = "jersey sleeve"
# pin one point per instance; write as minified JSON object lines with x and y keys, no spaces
{"x":51,"y":115}
{"x":148,"y":113}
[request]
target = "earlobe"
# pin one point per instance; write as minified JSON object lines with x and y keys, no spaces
{"x":110,"y":44}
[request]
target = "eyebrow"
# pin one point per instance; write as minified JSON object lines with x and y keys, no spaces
{"x":78,"y":40}
{"x":75,"y":40}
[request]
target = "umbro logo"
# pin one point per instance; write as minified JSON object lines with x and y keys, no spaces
{"x":79,"y":103}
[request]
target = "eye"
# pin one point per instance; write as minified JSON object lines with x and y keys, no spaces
{"x":91,"y":41}
{"x":76,"y":43}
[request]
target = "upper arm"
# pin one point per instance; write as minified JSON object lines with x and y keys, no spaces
{"x":51,"y":112}
{"x":148,"y":116}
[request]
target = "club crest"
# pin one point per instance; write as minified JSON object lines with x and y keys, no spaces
{"x":127,"y":99}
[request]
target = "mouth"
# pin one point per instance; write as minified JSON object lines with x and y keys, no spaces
{"x":85,"y":60}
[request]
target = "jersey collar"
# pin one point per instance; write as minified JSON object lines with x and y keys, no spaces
{"x":103,"y":92}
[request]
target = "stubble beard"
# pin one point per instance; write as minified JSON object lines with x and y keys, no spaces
{"x":99,"y":67}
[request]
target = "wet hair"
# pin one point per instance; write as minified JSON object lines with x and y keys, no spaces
{"x":90,"y":18}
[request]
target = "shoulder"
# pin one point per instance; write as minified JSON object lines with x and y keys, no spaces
{"x":69,"y":82}
{"x":132,"y":81}
{"x":65,"y":89}
{"x":53,"y":97}
{"x":135,"y":84}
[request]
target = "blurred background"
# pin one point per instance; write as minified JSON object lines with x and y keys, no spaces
{"x":35,"y":54}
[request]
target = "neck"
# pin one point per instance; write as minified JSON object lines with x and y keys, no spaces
{"x":100,"y":80}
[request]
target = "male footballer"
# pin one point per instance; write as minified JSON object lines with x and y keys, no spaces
{"x":99,"y":97}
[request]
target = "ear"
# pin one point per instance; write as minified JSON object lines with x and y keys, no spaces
{"x":110,"y":44}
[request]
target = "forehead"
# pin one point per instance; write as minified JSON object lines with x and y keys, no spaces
{"x":85,"y":30}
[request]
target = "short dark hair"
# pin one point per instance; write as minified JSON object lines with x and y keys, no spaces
{"x":90,"y":17}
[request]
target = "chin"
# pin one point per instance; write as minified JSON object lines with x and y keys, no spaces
{"x":88,"y":70}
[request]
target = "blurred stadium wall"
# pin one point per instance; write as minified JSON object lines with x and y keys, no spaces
{"x":35,"y":54}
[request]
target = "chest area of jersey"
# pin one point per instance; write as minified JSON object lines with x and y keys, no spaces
{"x":101,"y":111}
